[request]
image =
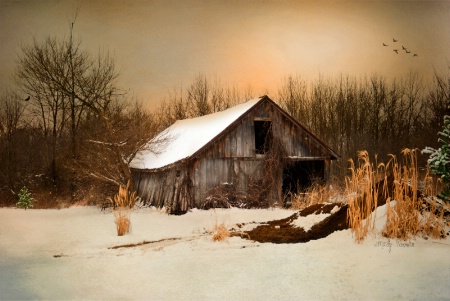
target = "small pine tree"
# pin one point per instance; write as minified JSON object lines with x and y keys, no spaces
{"x":25,"y":199}
{"x":439,"y":161}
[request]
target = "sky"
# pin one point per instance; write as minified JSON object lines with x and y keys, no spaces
{"x":161,"y":46}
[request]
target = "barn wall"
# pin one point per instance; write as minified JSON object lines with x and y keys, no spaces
{"x":194,"y":181}
{"x":171,"y":188}
{"x":212,"y":172}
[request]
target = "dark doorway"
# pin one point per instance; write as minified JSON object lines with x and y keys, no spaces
{"x":262,"y":133}
{"x":299,"y":175}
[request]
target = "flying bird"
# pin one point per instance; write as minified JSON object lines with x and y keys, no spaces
{"x":415,"y":54}
{"x":385,"y":44}
{"x":28,"y":98}
{"x":404,"y":48}
{"x":407,"y":51}
{"x":394,"y":40}
{"x":396,"y":51}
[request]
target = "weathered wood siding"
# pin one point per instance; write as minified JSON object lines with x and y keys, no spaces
{"x":170,"y":188}
{"x":229,"y":158}
{"x":211,"y":172}
{"x":239,"y":141}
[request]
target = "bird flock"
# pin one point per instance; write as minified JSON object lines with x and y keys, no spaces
{"x":403,"y":48}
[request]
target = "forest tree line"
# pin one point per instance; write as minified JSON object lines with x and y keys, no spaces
{"x":73,"y":134}
{"x":371,"y":113}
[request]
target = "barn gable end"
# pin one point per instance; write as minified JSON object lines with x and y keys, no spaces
{"x":236,"y":160}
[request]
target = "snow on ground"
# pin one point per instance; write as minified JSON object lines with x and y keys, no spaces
{"x":306,"y":222}
{"x":64,"y":254}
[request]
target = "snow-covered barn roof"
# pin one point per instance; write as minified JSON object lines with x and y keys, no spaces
{"x":185,"y":137}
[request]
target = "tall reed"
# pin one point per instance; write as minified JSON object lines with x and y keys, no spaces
{"x":408,"y":212}
{"x":362,"y":191}
{"x":402,"y":219}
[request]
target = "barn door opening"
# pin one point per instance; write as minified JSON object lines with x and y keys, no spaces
{"x":299,"y":175}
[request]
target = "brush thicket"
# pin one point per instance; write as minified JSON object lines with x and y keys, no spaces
{"x":432,"y":222}
{"x":317,"y":193}
{"x":413,"y":212}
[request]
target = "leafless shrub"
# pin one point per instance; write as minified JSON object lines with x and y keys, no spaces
{"x":226,"y":196}
{"x":221,"y":196}
{"x":274,"y":163}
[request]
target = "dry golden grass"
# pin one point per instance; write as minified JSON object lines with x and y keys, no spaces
{"x":403,"y":219}
{"x":404,"y":203}
{"x":122,"y":220}
{"x":362,"y":195}
{"x":317,"y":193}
{"x":433,"y":224}
{"x":220,"y":233}
{"x":124,"y":198}
{"x":123,"y":201}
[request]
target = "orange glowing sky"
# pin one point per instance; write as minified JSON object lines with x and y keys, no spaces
{"x":159,"y":46}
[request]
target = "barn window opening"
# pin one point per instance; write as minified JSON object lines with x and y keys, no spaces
{"x":263,"y":131}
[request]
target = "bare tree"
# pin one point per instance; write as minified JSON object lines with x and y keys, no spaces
{"x":413,"y":107}
{"x":11,"y":112}
{"x":133,"y":128}
{"x":198,"y":95}
{"x":202,"y":97}
{"x":47,"y":103}
{"x":86,"y":82}
{"x":294,"y":98}
{"x":437,"y":105}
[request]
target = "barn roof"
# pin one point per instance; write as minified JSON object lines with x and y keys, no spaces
{"x":185,"y":137}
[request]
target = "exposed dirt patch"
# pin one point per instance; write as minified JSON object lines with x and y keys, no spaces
{"x":282,"y":231}
{"x":318,"y":209}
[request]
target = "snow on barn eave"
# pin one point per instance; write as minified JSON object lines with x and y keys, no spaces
{"x":187,"y":137}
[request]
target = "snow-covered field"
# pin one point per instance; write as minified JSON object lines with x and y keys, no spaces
{"x":65,"y":254}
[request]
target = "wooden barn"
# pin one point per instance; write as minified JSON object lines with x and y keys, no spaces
{"x":251,"y":155}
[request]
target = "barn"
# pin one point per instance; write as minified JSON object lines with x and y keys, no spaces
{"x":250,"y":155}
